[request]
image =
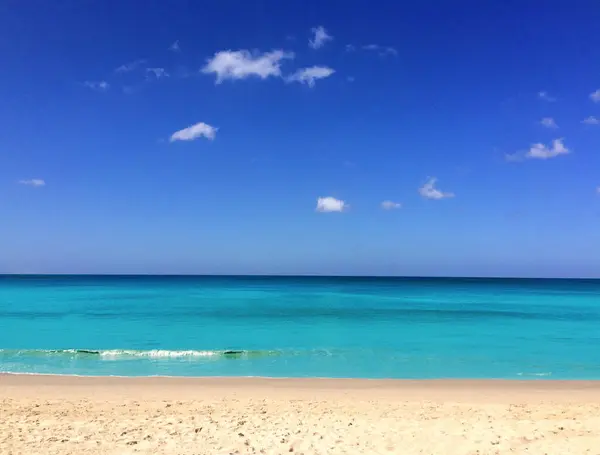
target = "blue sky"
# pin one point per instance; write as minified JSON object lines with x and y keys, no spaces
{"x":339,"y":137}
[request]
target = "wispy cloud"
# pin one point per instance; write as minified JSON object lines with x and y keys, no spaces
{"x":310,"y":75}
{"x":99,"y":86}
{"x":591,"y":120}
{"x":381,"y":50}
{"x":320,"y":37}
{"x":157,"y":73}
{"x":331,"y":204}
{"x":548,"y":122}
{"x":544,"y":96}
{"x":390,"y":205}
{"x":429,"y":191}
{"x":598,"y":190}
{"x":543,"y":152}
{"x":242,"y":64}
{"x":128,"y":67}
{"x":514,"y":157}
{"x":595,"y":96}
{"x":131,"y":89}
{"x":175,"y":47}
{"x":33,"y":182}
{"x":193,"y":132}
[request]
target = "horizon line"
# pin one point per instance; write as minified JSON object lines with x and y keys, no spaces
{"x":259,"y":275}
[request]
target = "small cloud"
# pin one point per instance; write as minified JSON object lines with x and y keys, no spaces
{"x":595,"y":96}
{"x":390,"y":205}
{"x":540,"y":151}
{"x":350,"y":79}
{"x":543,"y":152}
{"x":175,"y":47}
{"x":193,"y":132}
{"x":33,"y":182}
{"x":548,"y":122}
{"x":591,"y":120}
{"x":320,"y":37}
{"x":598,"y":190}
{"x":99,"y":86}
{"x":242,"y":64}
{"x":158,"y":73}
{"x":331,"y":204}
{"x":429,"y":191}
{"x":545,"y":97}
{"x":310,"y":75}
{"x":128,"y":67}
{"x":514,"y":157}
{"x":381,"y":50}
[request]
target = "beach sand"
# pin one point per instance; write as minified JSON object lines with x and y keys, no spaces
{"x":74,"y":415}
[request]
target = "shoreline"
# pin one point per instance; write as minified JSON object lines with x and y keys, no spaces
{"x":324,"y":379}
{"x":459,"y":390}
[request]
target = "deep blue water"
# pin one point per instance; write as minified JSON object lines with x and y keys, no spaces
{"x":300,"y":327}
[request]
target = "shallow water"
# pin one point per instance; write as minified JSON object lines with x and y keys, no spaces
{"x":300,"y":327}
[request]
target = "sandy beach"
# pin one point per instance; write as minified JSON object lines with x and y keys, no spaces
{"x":75,"y":415}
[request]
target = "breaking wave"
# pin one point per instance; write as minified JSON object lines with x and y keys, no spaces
{"x":107,"y":354}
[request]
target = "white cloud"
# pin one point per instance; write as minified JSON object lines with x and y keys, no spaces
{"x":193,"y":132}
{"x":390,"y":205}
{"x":157,"y":72}
{"x":33,"y":182}
{"x":175,"y":47}
{"x":595,"y":96}
{"x":591,"y":120}
{"x":545,"y":97}
{"x":128,"y":67}
{"x":598,"y":190}
{"x":350,"y":47}
{"x":99,"y":86}
{"x":429,"y":191}
{"x":381,"y":50}
{"x":331,"y":204}
{"x":242,"y":64}
{"x":548,"y":122}
{"x":320,"y":37}
{"x":310,"y":75}
{"x":540,"y":151}
{"x":543,"y":152}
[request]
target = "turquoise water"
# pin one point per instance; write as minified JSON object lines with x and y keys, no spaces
{"x":300,"y":327}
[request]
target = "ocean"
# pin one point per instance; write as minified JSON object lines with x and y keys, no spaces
{"x":300,"y":327}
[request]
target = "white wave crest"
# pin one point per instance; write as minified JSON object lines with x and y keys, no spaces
{"x":158,"y":353}
{"x":535,"y":374}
